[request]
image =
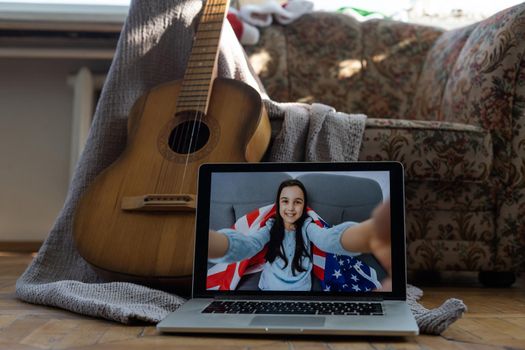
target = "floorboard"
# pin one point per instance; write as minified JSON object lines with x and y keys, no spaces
{"x":495,"y":320}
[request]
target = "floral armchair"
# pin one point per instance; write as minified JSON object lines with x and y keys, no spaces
{"x":449,"y":105}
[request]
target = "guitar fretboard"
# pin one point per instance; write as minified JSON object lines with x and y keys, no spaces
{"x":198,"y":77}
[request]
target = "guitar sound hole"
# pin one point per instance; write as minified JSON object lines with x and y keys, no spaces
{"x":189,"y":137}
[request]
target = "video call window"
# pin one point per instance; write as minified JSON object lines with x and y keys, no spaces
{"x":283,"y":231}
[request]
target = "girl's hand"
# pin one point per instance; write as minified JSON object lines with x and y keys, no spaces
{"x":380,"y":241}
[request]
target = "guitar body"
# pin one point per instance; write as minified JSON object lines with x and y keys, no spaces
{"x":153,"y":245}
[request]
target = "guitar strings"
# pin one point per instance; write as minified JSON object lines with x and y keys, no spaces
{"x":181,"y":130}
{"x":222,"y":4}
{"x":183,"y":144}
{"x":198,"y":106}
{"x":198,"y":115}
{"x":206,"y":15}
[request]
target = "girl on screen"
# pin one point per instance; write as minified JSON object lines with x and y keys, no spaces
{"x":288,"y":235}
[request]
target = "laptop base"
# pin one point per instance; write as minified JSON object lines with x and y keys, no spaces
{"x":396,"y":321}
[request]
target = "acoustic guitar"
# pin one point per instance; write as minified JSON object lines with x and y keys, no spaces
{"x":136,"y":221}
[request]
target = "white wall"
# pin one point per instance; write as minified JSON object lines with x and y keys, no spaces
{"x":35,"y":132}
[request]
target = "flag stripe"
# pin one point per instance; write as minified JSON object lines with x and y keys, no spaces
{"x":251,"y":217}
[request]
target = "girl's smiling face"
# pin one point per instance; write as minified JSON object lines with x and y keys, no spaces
{"x":291,"y":205}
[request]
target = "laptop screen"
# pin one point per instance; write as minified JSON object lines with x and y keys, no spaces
{"x":296,"y":229}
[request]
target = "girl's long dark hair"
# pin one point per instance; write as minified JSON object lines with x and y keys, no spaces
{"x":275,"y":246}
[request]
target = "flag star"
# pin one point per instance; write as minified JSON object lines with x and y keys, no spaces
{"x":348,"y":261}
{"x":341,"y":262}
{"x":345,"y":285}
{"x":337,"y":274}
{"x":354,"y":278}
{"x":327,"y":289}
{"x":367,"y":289}
{"x":356,"y":287}
{"x":358,"y":263}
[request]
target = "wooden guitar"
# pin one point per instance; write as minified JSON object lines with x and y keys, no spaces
{"x":136,"y":221}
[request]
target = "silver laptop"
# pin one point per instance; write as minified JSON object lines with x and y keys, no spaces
{"x":276,"y":262}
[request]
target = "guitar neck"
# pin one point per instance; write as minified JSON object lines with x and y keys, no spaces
{"x":198,"y":77}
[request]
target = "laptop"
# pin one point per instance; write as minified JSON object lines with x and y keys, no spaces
{"x":254,"y":279}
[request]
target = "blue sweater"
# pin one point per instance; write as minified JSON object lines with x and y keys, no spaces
{"x":274,"y":275}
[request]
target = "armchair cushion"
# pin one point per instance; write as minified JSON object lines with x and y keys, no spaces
{"x":374,"y":69}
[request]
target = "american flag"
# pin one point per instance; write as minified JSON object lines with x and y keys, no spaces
{"x":347,"y":274}
{"x":227,"y":276}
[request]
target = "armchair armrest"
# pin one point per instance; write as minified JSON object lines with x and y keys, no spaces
{"x":430,"y":150}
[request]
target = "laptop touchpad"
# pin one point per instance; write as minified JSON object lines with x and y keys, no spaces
{"x":303,"y":321}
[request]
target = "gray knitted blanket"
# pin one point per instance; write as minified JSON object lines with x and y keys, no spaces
{"x":153,"y":48}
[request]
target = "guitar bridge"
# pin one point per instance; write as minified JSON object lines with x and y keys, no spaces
{"x":159,"y":202}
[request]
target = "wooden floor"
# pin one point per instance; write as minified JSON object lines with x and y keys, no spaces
{"x":496,"y":320}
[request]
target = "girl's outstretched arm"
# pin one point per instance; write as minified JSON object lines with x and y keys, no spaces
{"x":217,"y":245}
{"x":228,"y":245}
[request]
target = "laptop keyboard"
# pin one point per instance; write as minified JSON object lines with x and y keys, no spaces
{"x":294,"y":308}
